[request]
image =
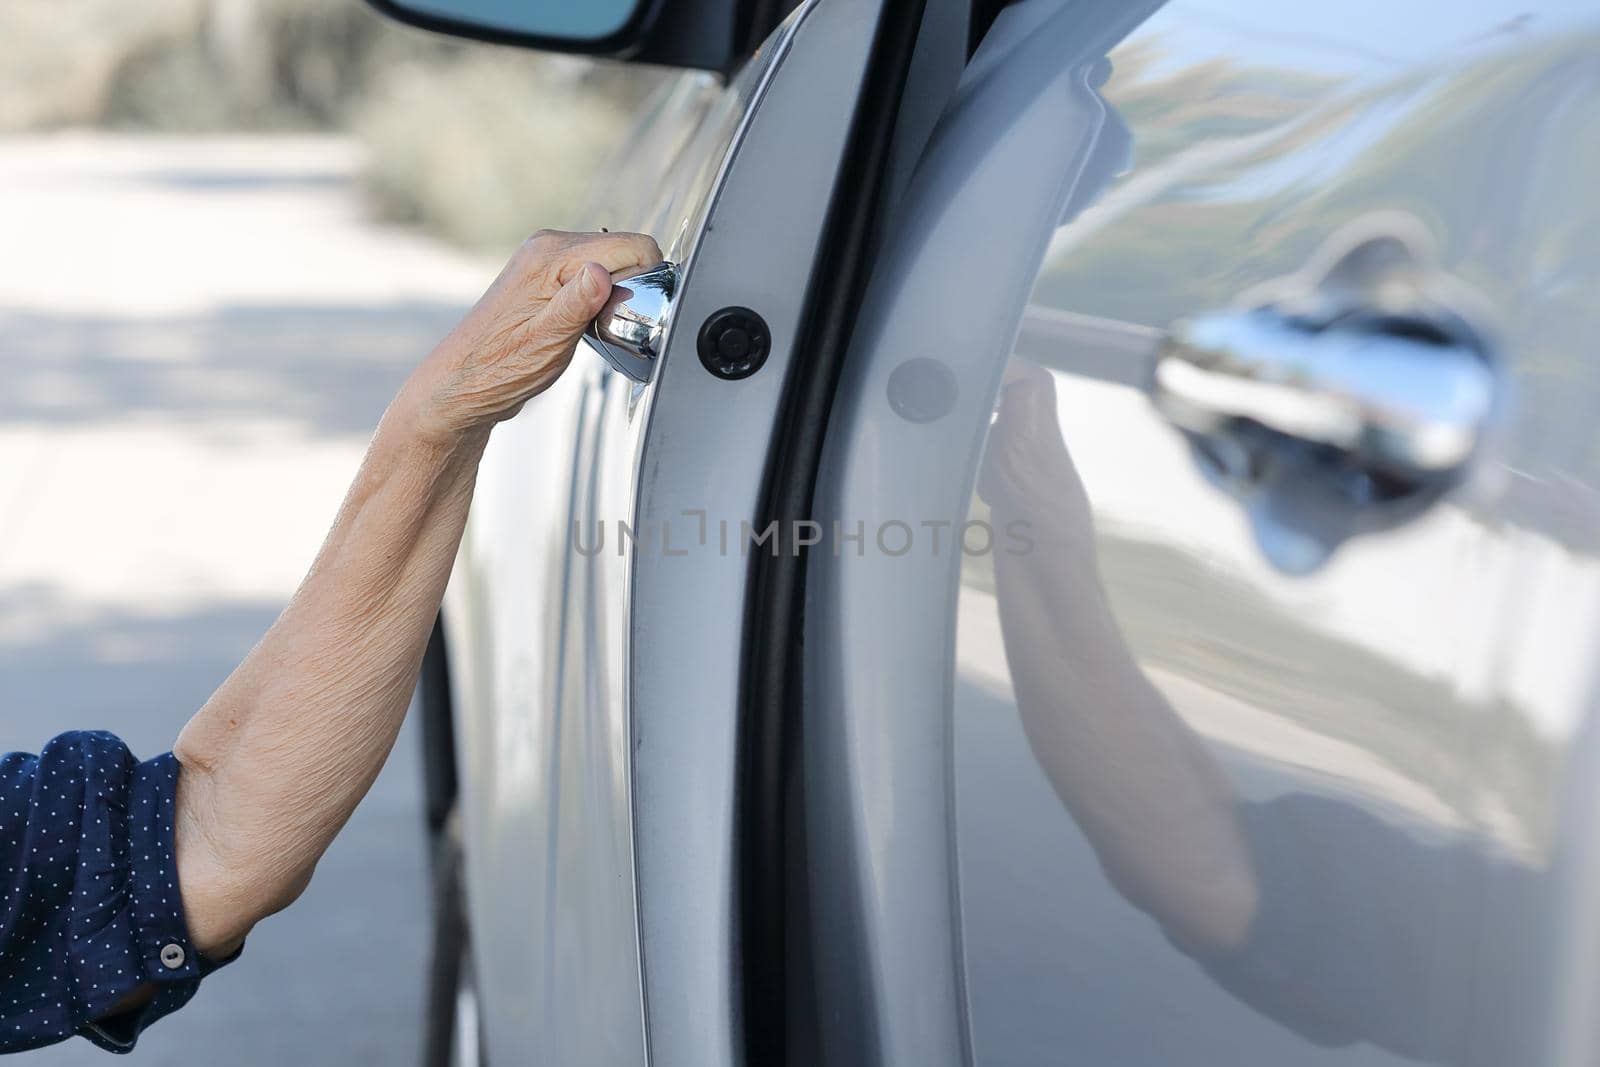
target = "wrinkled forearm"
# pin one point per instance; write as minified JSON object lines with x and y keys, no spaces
{"x":1160,"y":814}
{"x":278,"y":758}
{"x":285,"y":749}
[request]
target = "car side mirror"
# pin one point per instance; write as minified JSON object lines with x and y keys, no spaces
{"x":565,"y":24}
{"x":706,"y":34}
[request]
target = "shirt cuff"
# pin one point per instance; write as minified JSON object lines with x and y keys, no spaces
{"x":145,"y":939}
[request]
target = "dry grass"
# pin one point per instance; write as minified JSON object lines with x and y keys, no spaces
{"x":484,"y":150}
{"x":472,"y":142}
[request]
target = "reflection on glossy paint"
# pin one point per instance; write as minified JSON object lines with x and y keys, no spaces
{"x":1339,"y":796}
{"x":1349,"y":906}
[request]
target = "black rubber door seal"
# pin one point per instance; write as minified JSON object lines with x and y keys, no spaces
{"x":771,"y":694}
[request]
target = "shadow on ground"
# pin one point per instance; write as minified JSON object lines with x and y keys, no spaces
{"x":335,"y":980}
{"x":331,"y":370}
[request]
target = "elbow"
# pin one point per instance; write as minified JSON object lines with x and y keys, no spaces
{"x":1207,"y":912}
{"x":203,"y":744}
{"x":228,"y":877}
{"x":227,"y":891}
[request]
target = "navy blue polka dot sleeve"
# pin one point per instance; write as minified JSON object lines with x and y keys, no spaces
{"x":89,"y":903}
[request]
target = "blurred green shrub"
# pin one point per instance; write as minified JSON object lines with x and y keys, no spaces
{"x":261,"y":64}
{"x":476,"y":143}
{"x":484,"y":149}
{"x":60,"y":57}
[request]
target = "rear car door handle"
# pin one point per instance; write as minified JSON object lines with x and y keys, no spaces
{"x":630,"y":329}
{"x":1356,"y":385}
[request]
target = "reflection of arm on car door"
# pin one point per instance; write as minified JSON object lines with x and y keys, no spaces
{"x":1310,"y":910}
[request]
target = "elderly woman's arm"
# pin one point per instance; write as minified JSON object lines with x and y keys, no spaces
{"x":280,"y":755}
{"x":123,"y":884}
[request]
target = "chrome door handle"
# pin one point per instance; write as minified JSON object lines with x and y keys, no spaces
{"x":1347,"y":396}
{"x":1395,"y":400}
{"x":629,"y":330}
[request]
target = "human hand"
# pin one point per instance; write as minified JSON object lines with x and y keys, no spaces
{"x":522,"y":332}
{"x":1027,"y":472}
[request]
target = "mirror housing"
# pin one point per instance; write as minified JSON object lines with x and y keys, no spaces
{"x":714,"y":35}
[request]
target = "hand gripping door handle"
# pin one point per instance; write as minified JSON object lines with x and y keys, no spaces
{"x":1348,"y":396}
{"x":630,"y":329}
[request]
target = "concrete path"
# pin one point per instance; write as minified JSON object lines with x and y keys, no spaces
{"x":196,"y":337}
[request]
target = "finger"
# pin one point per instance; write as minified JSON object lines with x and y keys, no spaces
{"x":618,"y":253}
{"x":566,"y":251}
{"x":1012,"y":403}
{"x":1042,"y":398}
{"x":549,"y":340}
{"x":1023,"y":372}
{"x":577,"y":302}
{"x":1015,"y":370}
{"x":1028,"y":397}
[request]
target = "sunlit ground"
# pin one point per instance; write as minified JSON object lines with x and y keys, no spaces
{"x":196,"y":337}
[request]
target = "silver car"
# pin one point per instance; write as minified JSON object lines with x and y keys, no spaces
{"x":1088,"y":552}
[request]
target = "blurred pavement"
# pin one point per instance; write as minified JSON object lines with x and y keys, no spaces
{"x":196,"y":337}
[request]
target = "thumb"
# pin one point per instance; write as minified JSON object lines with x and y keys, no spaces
{"x":575,"y":304}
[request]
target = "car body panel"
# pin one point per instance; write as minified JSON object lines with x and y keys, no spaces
{"x":1400,"y":697}
{"x":701,"y":466}
{"x":598,"y":770}
{"x":1431,"y":680}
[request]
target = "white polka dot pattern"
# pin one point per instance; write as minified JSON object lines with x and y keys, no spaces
{"x":89,"y":895}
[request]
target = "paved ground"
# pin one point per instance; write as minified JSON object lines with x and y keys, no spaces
{"x":196,"y":337}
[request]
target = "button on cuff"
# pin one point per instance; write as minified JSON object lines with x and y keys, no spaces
{"x":153,"y":877}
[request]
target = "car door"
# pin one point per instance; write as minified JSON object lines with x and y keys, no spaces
{"x":1207,"y":671}
{"x":595,"y":620}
